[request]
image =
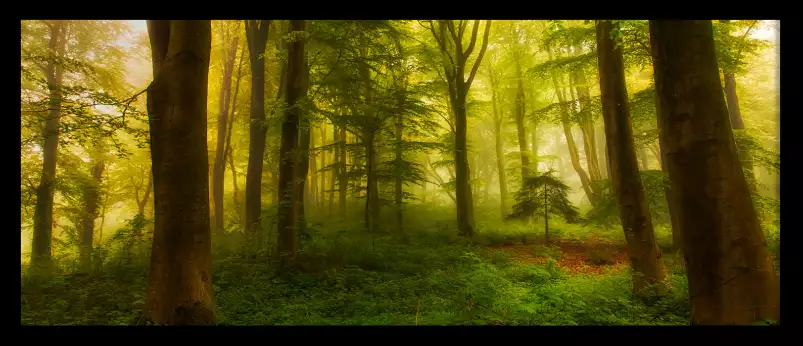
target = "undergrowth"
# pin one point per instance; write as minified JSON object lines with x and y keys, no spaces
{"x":348,"y":277}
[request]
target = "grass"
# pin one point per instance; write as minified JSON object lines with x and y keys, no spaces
{"x":426,"y":277}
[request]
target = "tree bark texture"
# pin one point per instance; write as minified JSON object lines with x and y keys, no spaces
{"x":730,"y":271}
{"x":180,"y":280}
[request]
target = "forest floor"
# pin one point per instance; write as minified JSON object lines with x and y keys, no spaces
{"x":429,"y":277}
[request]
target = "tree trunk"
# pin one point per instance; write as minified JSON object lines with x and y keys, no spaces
{"x":257,"y":37}
{"x":43,"y":212}
{"x":219,"y":168}
{"x":180,"y":280}
{"x":520,"y":130}
{"x":602,"y":149}
{"x":312,"y":168}
{"x":335,"y":175}
{"x":465,"y":220}
{"x":642,"y":152}
{"x":572,"y":147}
{"x":634,"y":210}
{"x":534,"y":144}
{"x":91,"y":195}
{"x":730,"y":271}
{"x":398,"y":188}
{"x":372,"y":194}
{"x":546,"y":215}
{"x":342,"y":172}
{"x":303,"y":173}
{"x":294,"y":92}
{"x":141,"y":204}
{"x":500,"y":152}
{"x":322,"y":196}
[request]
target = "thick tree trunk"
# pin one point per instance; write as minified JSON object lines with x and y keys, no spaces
{"x":634,"y":210}
{"x":730,"y":271}
{"x":43,"y":212}
{"x":303,"y":173}
{"x":91,"y":196}
{"x":294,"y":92}
{"x":219,"y":168}
{"x":180,"y":280}
{"x":257,"y":37}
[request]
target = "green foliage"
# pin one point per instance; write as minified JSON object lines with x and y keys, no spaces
{"x":543,"y":193}
{"x":606,"y":212}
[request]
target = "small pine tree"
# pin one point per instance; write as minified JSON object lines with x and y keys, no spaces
{"x":543,"y":194}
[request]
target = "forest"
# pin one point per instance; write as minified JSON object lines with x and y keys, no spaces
{"x":400,"y":172}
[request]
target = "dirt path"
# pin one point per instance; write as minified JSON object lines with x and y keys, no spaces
{"x":576,"y":257}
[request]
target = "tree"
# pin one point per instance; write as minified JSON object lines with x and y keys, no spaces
{"x":645,"y":258}
{"x":256,"y":33}
{"x":288,"y":186}
{"x":180,"y":279}
{"x":455,"y":60}
{"x":43,"y":215}
{"x":544,"y":194}
{"x":229,"y":48}
{"x":91,"y":199}
{"x":730,"y":272}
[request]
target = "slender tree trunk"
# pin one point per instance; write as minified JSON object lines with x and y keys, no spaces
{"x":312,"y":192}
{"x":642,"y":152}
{"x":144,"y":202}
{"x":500,"y":153}
{"x":534,"y":144}
{"x":546,"y":215}
{"x":342,"y":173}
{"x":180,"y":280}
{"x":322,"y":197}
{"x":303,"y":173}
{"x":372,"y":196}
{"x":735,"y":114}
{"x":634,"y":210}
{"x":219,"y":168}
{"x":520,"y":130}
{"x":43,"y":212}
{"x":602,"y":149}
{"x":257,"y":37}
{"x":288,"y":244}
{"x":730,"y":271}
{"x":398,"y":188}
{"x":335,"y":175}
{"x":91,"y":195}
{"x":572,"y":147}
{"x":236,"y":192}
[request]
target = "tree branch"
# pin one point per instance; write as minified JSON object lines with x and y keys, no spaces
{"x":473,"y":40}
{"x":482,"y":53}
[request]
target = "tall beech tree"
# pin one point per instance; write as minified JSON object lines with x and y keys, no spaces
{"x":730,"y":272}
{"x":180,"y":279}
{"x":455,"y":60}
{"x":648,"y":269}
{"x":256,"y":33}
{"x":288,"y":186}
